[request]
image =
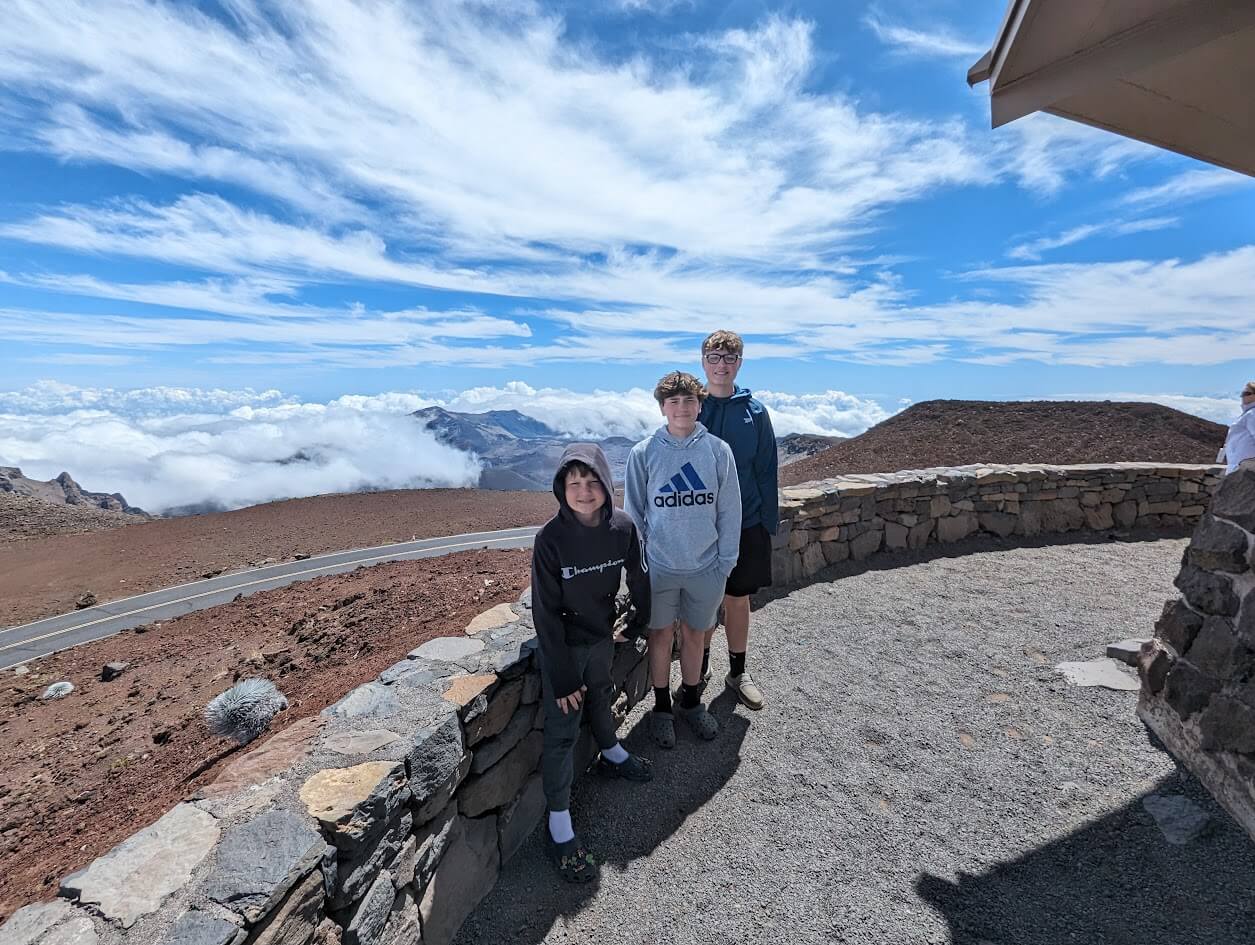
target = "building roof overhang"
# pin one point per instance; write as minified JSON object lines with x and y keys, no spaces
{"x":1179,"y":74}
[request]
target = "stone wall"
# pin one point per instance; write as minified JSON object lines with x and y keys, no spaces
{"x":383,"y":821}
{"x":854,"y":517}
{"x":1198,"y":673}
{"x":386,"y":819}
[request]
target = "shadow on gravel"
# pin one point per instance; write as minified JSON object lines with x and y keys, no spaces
{"x":984,"y":544}
{"x":620,"y":822}
{"x":1117,"y":881}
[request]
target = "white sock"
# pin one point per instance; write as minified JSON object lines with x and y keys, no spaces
{"x":615,"y":755}
{"x":560,"y":826}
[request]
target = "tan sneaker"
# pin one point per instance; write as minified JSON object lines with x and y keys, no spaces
{"x":750,"y":695}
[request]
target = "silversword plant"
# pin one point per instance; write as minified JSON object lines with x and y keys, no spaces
{"x":245,"y":710}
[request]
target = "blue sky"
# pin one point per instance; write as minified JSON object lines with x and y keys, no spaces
{"x":337,"y":197}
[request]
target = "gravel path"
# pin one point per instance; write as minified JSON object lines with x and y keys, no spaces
{"x":921,"y":775}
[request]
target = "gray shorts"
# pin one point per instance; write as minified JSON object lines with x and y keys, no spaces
{"x":692,"y":598}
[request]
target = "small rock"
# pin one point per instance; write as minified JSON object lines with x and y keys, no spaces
{"x":87,"y":600}
{"x":1104,"y":672}
{"x":58,"y":690}
{"x":301,"y":555}
{"x":448,"y":649}
{"x":1179,"y":818}
{"x":111,"y":671}
{"x":21,"y":670}
{"x":490,"y":619}
{"x":1126,"y":650}
{"x":201,"y":928}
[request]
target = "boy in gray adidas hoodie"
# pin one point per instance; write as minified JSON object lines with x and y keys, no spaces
{"x":682,"y":491}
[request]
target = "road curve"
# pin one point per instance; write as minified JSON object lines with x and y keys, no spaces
{"x":32,"y":640}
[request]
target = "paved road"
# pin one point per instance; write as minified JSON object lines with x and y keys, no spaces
{"x":920,"y":776}
{"x":32,"y":640}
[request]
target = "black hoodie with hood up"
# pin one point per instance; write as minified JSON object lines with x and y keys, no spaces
{"x":576,"y":570}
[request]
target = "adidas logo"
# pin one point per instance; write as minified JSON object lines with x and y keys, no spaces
{"x":685,"y":488}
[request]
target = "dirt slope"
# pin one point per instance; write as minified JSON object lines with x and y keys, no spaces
{"x":44,"y":576}
{"x":80,"y":774}
{"x":958,"y":432}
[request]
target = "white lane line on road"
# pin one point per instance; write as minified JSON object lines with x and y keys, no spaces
{"x":236,"y":587}
{"x":522,"y":531}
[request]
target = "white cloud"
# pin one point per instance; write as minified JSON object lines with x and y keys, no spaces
{"x":479,"y":131}
{"x":1218,"y":409}
{"x":473,"y":147}
{"x":1189,"y":185}
{"x":1042,"y":151}
{"x":937,"y":43}
{"x":1034,"y":249}
{"x":166,"y":447}
{"x":654,"y":7}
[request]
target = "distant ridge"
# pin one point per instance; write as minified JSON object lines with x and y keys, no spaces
{"x":63,"y":490}
{"x":960,"y":432}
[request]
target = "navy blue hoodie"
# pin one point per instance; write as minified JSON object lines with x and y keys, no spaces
{"x":576,"y":571}
{"x":743,"y":423}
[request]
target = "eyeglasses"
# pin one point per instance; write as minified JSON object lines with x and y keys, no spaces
{"x":714,"y":357}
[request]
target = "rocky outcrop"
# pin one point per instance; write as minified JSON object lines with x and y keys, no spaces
{"x":63,"y":490}
{"x":1198,"y":672}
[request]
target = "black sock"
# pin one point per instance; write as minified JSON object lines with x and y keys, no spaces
{"x":706,"y":661}
{"x":690,"y":696}
{"x":662,"y":698}
{"x":737,"y":664}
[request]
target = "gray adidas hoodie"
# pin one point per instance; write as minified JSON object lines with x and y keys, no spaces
{"x":686,"y":501}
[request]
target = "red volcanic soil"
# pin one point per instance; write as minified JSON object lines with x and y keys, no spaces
{"x":80,"y":774}
{"x":960,"y":432}
{"x":43,"y":576}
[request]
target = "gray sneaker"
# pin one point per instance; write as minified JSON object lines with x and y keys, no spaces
{"x":750,"y":695}
{"x":662,"y":728}
{"x":703,"y":724}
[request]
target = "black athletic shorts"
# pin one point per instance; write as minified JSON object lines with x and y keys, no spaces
{"x":753,"y":565}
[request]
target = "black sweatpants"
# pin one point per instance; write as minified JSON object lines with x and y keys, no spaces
{"x":561,"y":731}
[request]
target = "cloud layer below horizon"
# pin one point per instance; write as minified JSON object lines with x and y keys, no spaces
{"x":171,"y":448}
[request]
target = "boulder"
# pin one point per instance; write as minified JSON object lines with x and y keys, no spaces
{"x":135,"y":877}
{"x":356,"y":804}
{"x":259,"y":861}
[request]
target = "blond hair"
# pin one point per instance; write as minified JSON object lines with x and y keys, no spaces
{"x":1249,"y":388}
{"x":728,"y":341}
{"x":677,"y":384}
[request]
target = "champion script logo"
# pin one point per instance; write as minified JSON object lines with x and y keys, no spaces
{"x":683,"y":490}
{"x":568,"y":573}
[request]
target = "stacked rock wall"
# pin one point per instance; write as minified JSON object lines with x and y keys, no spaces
{"x":854,"y":517}
{"x":1198,"y":673}
{"x":383,"y":821}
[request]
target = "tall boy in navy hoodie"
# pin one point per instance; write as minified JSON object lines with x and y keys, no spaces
{"x":577,"y":560}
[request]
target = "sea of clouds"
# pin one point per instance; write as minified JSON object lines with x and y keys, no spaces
{"x":167,"y":448}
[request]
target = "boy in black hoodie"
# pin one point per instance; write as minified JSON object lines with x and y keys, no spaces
{"x":577,"y":560}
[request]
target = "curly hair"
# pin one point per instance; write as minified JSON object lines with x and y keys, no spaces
{"x":678,"y":383}
{"x":728,"y":341}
